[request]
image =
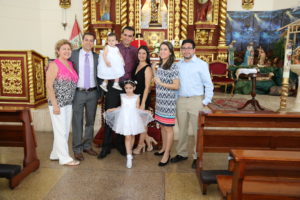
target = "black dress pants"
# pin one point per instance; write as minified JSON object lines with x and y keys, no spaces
{"x":112,"y":100}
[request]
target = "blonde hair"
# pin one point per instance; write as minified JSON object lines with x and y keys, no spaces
{"x":61,"y":43}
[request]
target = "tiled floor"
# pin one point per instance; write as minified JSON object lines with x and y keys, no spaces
{"x":109,"y":179}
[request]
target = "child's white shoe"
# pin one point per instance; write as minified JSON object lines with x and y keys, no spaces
{"x":117,"y":86}
{"x":104,"y":87}
{"x":129,"y":161}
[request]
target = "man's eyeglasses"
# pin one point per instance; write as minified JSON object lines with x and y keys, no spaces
{"x":187,"y":48}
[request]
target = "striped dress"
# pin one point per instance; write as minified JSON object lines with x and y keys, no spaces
{"x":165,"y":106}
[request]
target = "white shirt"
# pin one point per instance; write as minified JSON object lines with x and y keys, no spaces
{"x":195,"y":79}
{"x":81,"y":75}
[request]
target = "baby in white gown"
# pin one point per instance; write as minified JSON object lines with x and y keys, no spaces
{"x":128,"y":120}
{"x":111,"y":63}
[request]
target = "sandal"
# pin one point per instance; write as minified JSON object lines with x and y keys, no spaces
{"x":72,"y":163}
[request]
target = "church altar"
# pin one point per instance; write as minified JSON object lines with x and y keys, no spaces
{"x":160,"y":20}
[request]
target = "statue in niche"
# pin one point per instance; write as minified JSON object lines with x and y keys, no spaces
{"x":204,"y":10}
{"x":249,"y":55}
{"x":261,"y":56}
{"x":231,"y":50}
{"x":104,"y":10}
{"x":155,"y":13}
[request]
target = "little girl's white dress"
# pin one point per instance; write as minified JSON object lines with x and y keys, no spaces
{"x":128,"y":119}
{"x":117,"y":64}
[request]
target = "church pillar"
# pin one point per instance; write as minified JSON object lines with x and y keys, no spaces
{"x":184,"y":19}
{"x":123,"y":13}
{"x":86,"y":15}
{"x":223,"y":13}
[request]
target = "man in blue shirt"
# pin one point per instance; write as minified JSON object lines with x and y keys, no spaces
{"x":195,"y":92}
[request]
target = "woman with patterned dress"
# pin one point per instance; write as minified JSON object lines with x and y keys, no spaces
{"x":143,"y":75}
{"x":167,"y":84}
{"x":61,"y":81}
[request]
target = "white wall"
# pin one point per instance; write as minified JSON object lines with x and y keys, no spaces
{"x":282,"y":4}
{"x":35,"y":24}
{"x":20,"y":24}
{"x":263,"y":5}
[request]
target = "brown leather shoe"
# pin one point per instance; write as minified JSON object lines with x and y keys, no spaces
{"x":78,"y":156}
{"x":90,"y":152}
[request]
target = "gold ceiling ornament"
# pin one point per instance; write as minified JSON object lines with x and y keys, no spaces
{"x":247,"y":4}
{"x":65,"y":4}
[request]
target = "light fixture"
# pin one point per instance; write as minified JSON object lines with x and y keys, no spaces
{"x":64,"y":4}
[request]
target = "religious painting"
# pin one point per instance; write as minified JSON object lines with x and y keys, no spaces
{"x":206,"y":11}
{"x":154,"y":13}
{"x":104,"y":10}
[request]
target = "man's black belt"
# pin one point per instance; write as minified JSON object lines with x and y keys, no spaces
{"x":86,"y":89}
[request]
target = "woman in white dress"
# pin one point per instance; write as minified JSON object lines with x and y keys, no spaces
{"x":111,"y":63}
{"x":128,"y":120}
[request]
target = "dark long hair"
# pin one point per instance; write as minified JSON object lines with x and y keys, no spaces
{"x":171,"y":59}
{"x":147,"y":52}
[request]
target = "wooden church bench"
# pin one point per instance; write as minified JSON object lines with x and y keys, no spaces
{"x":220,"y":131}
{"x":16,"y":131}
{"x":249,"y":182}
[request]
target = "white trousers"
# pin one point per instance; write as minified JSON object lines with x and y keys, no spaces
{"x":61,"y":128}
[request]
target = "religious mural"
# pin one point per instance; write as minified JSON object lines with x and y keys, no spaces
{"x":257,"y":27}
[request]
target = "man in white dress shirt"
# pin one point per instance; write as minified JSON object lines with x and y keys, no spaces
{"x":195,"y":92}
{"x":85,"y":63}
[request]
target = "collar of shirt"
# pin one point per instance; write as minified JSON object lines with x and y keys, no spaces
{"x":82,"y":51}
{"x":194,"y":59}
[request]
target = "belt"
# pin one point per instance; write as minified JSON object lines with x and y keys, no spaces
{"x":86,"y":89}
{"x":191,"y":96}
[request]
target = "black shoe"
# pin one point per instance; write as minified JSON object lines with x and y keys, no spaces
{"x":161,"y":164}
{"x":194,"y":163}
{"x":178,"y":158}
{"x":103,"y":153}
{"x":159,"y":153}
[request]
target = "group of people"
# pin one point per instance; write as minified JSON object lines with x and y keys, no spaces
{"x":76,"y":80}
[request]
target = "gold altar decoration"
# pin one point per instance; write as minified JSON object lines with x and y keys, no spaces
{"x":123,"y":13}
{"x":247,"y":4}
{"x":181,"y":19}
{"x":65,"y":4}
{"x":293,"y":29}
{"x":86,"y":15}
{"x":22,"y":78}
{"x":184,"y":18}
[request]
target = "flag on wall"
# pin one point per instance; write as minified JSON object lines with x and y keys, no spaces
{"x":75,"y":37}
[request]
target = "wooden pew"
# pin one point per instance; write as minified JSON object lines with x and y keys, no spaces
{"x":220,"y":131}
{"x":248,"y":182}
{"x":16,"y":131}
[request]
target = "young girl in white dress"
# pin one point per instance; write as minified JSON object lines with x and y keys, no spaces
{"x":111,"y":63}
{"x":127,"y":119}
